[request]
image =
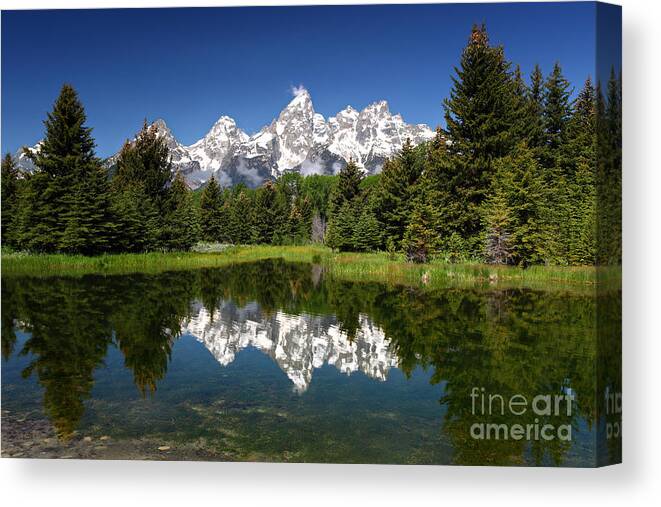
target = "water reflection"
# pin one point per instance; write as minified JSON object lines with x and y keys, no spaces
{"x":297,"y":343}
{"x":509,"y":342}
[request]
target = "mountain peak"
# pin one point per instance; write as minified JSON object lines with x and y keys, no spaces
{"x":301,"y":97}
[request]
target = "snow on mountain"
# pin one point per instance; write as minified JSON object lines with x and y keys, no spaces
{"x":22,"y":160}
{"x":299,"y":139}
{"x":297,"y":343}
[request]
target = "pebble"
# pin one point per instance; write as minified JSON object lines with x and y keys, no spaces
{"x":104,"y":437}
{"x":87,"y":439}
{"x":164,"y":448}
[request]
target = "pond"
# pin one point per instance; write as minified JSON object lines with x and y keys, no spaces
{"x":275,"y":361}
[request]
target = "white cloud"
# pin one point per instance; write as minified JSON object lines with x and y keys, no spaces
{"x":297,"y":90}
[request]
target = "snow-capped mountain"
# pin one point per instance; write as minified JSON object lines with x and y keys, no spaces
{"x":299,"y":139}
{"x":22,"y":161}
{"x":297,"y":343}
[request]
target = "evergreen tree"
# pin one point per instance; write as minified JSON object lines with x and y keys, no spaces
{"x":580,"y":159}
{"x":211,"y":212}
{"x":181,"y":221}
{"x":9,"y":197}
{"x":66,"y":206}
{"x":395,"y":192}
{"x":557,"y":111}
{"x":421,"y":239}
{"x":348,"y":185}
{"x":264,"y":219}
{"x":146,"y":160}
{"x":535,"y":118}
{"x":482,"y":118}
{"x":344,"y":208}
{"x":340,"y":234}
{"x":516,"y":214}
{"x":367,"y":232}
{"x":240,"y":214}
{"x":88,"y":218}
{"x":137,"y":226}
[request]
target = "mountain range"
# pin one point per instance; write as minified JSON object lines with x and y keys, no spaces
{"x":299,"y":139}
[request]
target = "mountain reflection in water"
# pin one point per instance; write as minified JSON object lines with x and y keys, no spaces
{"x":413,"y":357}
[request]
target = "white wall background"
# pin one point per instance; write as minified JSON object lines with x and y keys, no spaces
{"x":636,"y":482}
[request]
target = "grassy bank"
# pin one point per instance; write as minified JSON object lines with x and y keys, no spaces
{"x":373,"y":267}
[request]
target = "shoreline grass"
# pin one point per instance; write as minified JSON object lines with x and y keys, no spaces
{"x":366,"y":267}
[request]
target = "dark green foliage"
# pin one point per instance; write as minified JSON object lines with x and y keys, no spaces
{"x":367,"y":231}
{"x":346,"y":207}
{"x":395,"y":192}
{"x":421,"y":238}
{"x":88,"y":218}
{"x":483,"y":122}
{"x":557,"y":112}
{"x":239,"y":217}
{"x":9,"y":196}
{"x":535,"y":109}
{"x":515,"y":214}
{"x":146,"y":160}
{"x":137,"y":221}
{"x":181,"y":224}
{"x":212,"y":218}
{"x":264,"y":219}
{"x":609,"y":172}
{"x":65,"y":205}
{"x":348,"y":185}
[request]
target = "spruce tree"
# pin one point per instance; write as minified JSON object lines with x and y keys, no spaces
{"x":68,"y":206}
{"x":341,"y":226}
{"x":348,"y":185}
{"x":181,"y":221}
{"x":557,"y":111}
{"x":482,"y":116}
{"x":516,"y":215}
{"x":394,"y":192}
{"x":146,"y":160}
{"x":580,"y":159}
{"x":240,"y":217}
{"x":264,"y":219}
{"x":137,"y":226}
{"x":345,"y":208}
{"x":211,"y":212}
{"x":88,"y":219}
{"x":9,"y":197}
{"x":421,"y":239}
{"x":367,"y":231}
{"x":535,"y":118}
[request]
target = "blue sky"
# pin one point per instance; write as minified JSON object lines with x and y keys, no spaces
{"x":190,"y":66}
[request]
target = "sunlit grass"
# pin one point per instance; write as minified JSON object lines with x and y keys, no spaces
{"x":368,"y":267}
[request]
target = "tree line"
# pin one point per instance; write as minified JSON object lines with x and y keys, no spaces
{"x":521,"y":174}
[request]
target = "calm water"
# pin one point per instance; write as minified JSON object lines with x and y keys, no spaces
{"x":278,"y":362}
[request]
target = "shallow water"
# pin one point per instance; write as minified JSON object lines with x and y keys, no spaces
{"x":278,"y":362}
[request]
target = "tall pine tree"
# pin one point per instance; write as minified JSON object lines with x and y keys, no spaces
{"x":482,"y":118}
{"x":211,"y":212}
{"x":9,"y":197}
{"x":67,"y":205}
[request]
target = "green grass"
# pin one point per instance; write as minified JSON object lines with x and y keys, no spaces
{"x":368,"y":267}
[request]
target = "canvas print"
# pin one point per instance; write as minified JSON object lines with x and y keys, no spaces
{"x":332,"y":234}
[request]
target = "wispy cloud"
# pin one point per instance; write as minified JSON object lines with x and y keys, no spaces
{"x":297,"y":90}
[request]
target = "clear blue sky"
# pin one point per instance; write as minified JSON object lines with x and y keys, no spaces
{"x":190,"y":66}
